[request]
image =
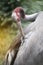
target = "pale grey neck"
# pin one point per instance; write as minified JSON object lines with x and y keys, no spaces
{"x":31,"y":17}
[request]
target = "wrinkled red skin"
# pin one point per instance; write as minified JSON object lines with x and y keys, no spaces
{"x":17,"y":10}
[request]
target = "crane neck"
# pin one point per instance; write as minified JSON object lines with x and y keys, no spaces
{"x":31,"y":17}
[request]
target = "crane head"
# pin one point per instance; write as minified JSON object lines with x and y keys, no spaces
{"x":18,"y":13}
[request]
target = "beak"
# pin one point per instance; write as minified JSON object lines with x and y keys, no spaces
{"x":13,"y":16}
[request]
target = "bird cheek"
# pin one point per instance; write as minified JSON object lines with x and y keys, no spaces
{"x":18,"y":17}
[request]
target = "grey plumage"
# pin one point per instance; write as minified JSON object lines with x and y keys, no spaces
{"x":31,"y":52}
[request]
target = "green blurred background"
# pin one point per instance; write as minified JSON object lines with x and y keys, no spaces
{"x":8,"y":28}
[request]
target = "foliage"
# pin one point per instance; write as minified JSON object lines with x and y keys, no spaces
{"x":32,"y":6}
{"x":6,"y":7}
{"x":6,"y":37}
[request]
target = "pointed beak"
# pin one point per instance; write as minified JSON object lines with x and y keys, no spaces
{"x":13,"y":16}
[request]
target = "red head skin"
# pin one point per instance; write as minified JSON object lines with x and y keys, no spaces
{"x":17,"y":14}
{"x":17,"y":10}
